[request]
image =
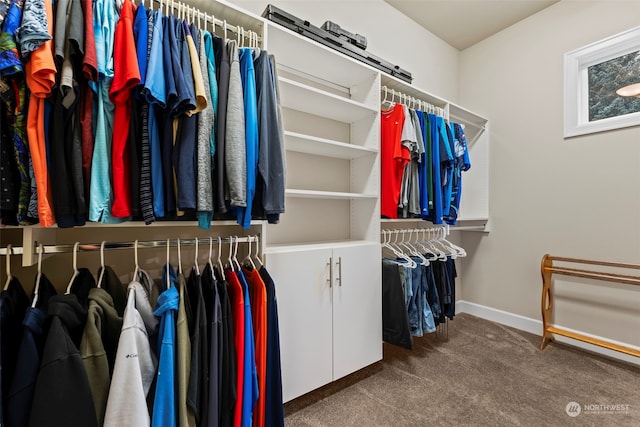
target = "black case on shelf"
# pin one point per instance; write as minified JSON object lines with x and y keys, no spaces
{"x":305,"y":28}
{"x":338,"y":31}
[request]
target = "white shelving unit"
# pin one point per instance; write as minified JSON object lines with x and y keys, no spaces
{"x":309,"y":144}
{"x":331,"y":311}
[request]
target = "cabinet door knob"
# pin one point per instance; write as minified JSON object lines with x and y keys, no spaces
{"x":330,"y":265}
{"x":339,"y":271}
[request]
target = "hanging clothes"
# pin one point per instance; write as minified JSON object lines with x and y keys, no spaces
{"x":206,"y":122}
{"x":40,"y":74}
{"x":13,"y":305}
{"x":185,"y":144}
{"x":393,"y":158}
{"x":198,"y":391}
{"x":126,"y":76}
{"x":274,"y":408}
{"x":62,"y":394}
{"x":236,"y":298}
{"x":155,"y":94}
{"x":258,"y":297}
{"x":134,"y":374}
{"x":164,"y":404}
{"x":217,"y":358}
{"x":223,"y":70}
{"x":247,"y":74}
{"x":98,"y":347}
{"x":20,"y":395}
{"x":395,"y":322}
{"x":270,"y":181}
{"x":235,"y":145}
{"x":186,"y":416}
{"x":250,"y":379}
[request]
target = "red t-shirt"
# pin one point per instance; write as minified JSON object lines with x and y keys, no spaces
{"x":236,"y":298}
{"x":258,"y":297}
{"x":393,"y":158}
{"x":126,"y":76}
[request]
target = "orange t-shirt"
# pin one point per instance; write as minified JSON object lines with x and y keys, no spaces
{"x":41,"y":78}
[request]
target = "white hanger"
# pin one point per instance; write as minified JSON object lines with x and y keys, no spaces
{"x":235,"y":254}
{"x":75,"y":267}
{"x":224,"y":29}
{"x":403,"y":255}
{"x":196,"y":259}
{"x":248,"y":257}
{"x":386,"y":242}
{"x":426,"y":246}
{"x":168,"y":274}
{"x":442,"y":255}
{"x":386,"y":94}
{"x":36,"y":288}
{"x":230,"y":259}
{"x":459,"y":250}
{"x":220,"y":264}
{"x":136,"y":270}
{"x":8,"y":266}
{"x":210,"y":253}
{"x":412,"y":249}
{"x":257,"y":254}
{"x":179,"y":258}
{"x":99,"y":285}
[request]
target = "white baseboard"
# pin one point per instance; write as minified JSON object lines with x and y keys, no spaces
{"x":534,"y":326}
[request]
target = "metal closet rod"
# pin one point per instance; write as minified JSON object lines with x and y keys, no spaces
{"x":93,"y":247}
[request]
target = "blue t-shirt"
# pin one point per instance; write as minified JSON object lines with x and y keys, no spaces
{"x":154,"y":91}
{"x":446,"y":155}
{"x":423,"y":167}
{"x":164,"y":403}
{"x":250,"y":380}
{"x":436,"y":215}
{"x":101,"y":194}
{"x":185,"y":145}
{"x":140,"y":33}
{"x":248,"y":76}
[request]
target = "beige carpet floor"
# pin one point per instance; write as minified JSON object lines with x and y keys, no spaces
{"x":484,"y":374}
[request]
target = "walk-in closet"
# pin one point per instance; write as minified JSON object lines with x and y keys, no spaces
{"x":367,"y":212}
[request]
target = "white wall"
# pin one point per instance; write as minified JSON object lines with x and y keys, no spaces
{"x":391,"y":36}
{"x":577,"y":197}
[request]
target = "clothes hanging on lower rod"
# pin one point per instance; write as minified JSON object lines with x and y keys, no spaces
{"x":106,"y":347}
{"x":416,"y":299}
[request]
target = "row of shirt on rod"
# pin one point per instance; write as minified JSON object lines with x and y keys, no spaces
{"x":192,"y":348}
{"x":111,"y":112}
{"x":422,"y":158}
{"x":418,"y":283}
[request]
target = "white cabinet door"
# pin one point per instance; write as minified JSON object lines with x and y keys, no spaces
{"x":305,"y":319}
{"x":357,"y":308}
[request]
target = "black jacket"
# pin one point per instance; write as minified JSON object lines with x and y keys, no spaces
{"x":62,"y":396}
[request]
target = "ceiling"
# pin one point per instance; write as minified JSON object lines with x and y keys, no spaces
{"x":463,"y":23}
